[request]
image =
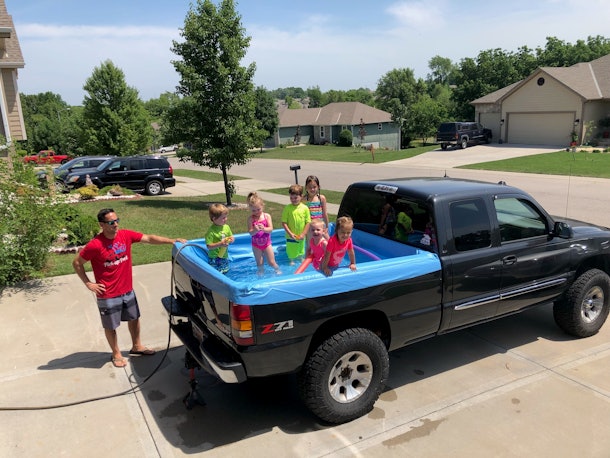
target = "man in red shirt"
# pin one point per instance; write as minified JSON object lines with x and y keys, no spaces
{"x":110,"y":255}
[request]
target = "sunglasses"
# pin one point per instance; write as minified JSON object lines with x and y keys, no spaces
{"x":111,"y":222}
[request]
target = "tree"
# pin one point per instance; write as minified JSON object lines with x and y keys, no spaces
{"x":47,"y":122}
{"x":266,"y":112}
{"x":442,"y":70}
{"x":426,"y":116}
{"x":397,"y":91}
{"x":114,"y":119}
{"x":217,"y":112}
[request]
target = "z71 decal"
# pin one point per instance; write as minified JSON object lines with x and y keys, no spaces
{"x":276,"y":327}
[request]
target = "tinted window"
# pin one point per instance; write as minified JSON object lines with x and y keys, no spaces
{"x":155,"y":164}
{"x":518,"y":220}
{"x":470,"y":225}
{"x":447,"y":127}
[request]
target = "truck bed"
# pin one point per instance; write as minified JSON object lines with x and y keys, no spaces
{"x":379,"y":261}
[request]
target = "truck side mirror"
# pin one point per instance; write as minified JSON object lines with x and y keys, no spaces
{"x":562,"y":230}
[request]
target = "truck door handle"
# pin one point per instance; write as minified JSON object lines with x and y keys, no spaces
{"x":508,"y":260}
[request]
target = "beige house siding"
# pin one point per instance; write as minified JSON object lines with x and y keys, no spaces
{"x":541,"y":114}
{"x":12,"y":102}
{"x":11,"y":59}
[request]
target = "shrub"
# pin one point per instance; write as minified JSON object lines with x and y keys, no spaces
{"x":88,"y":192}
{"x":77,"y":227}
{"x":345,"y":138}
{"x":31,"y":226}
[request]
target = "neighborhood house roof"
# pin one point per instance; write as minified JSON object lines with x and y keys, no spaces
{"x":10,"y":51}
{"x":337,"y":113}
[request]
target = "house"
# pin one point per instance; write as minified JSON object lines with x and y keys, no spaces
{"x":551,"y":106}
{"x":12,"y":127}
{"x":369,"y":126}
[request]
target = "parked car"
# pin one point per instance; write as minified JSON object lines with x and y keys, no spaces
{"x":462,"y":134}
{"x":167,"y":149}
{"x":82,"y":162}
{"x":46,"y":156}
{"x":149,"y":173}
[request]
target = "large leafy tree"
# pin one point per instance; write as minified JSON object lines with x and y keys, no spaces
{"x":266,"y":112}
{"x":216,"y":115}
{"x":396,"y":93}
{"x":48,"y":122}
{"x":114,"y":120}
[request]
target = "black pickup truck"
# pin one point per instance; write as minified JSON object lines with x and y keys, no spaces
{"x":477,"y":252}
{"x":462,"y":134}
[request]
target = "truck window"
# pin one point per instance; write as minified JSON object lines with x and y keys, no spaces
{"x":470,"y":225}
{"x":518,"y":219}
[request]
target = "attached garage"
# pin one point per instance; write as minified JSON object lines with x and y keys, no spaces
{"x":551,"y":128}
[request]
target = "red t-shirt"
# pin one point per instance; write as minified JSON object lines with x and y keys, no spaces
{"x":111,"y":261}
{"x":337,"y":250}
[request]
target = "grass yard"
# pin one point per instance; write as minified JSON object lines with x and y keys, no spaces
{"x":182,"y":217}
{"x":204,"y":175}
{"x":580,"y":163}
{"x":342,"y":154}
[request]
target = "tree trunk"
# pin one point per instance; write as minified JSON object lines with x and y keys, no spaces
{"x":225,"y":178}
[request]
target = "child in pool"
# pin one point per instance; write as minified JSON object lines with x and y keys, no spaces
{"x":316,"y":202}
{"x":260,"y":227}
{"x":218,"y":237}
{"x":339,"y":244}
{"x":317,"y":243}
{"x":295,"y":220}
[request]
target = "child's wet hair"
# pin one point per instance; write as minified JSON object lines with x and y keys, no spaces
{"x":295,"y":189}
{"x":217,"y":210}
{"x":254,"y":199}
{"x":344,"y":221}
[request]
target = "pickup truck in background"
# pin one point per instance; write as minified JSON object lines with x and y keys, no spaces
{"x":47,"y":156}
{"x":462,"y":134}
{"x":477,"y":252}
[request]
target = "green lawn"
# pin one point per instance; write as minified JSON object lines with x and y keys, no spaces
{"x":586,"y":164}
{"x":341,"y":154}
{"x":204,"y":175}
{"x":175,"y":217}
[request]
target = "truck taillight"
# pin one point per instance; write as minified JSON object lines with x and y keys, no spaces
{"x":241,"y":324}
{"x":171,"y":170}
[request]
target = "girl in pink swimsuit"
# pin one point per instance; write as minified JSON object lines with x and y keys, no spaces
{"x":260,"y":227}
{"x":317,"y":243}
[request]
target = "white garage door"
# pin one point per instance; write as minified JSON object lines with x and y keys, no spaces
{"x":540,"y":128}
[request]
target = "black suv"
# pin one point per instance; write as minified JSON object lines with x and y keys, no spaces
{"x":81,"y":162}
{"x":461,"y":134}
{"x":151,"y":173}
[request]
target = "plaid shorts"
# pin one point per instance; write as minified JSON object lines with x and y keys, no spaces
{"x":116,"y":309}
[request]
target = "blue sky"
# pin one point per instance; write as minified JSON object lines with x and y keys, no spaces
{"x":333,"y":44}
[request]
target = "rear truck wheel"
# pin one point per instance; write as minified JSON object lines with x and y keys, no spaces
{"x":487,"y":139}
{"x":583,"y":308}
{"x":344,"y":376}
{"x":64,"y":161}
{"x":464,"y":143}
{"x":443,"y":146}
{"x":154,"y":188}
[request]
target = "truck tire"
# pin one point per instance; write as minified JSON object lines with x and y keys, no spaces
{"x":583,"y":308}
{"x":464,"y":143}
{"x":443,"y":146}
{"x":344,"y":376}
{"x":154,"y":188}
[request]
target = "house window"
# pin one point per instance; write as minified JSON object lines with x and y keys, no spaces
{"x":379,"y":126}
{"x":322,"y":132}
{"x":343,"y":127}
{"x":540,"y":81}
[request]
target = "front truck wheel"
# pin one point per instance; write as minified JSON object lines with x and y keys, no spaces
{"x":583,"y":309}
{"x":344,"y":376}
